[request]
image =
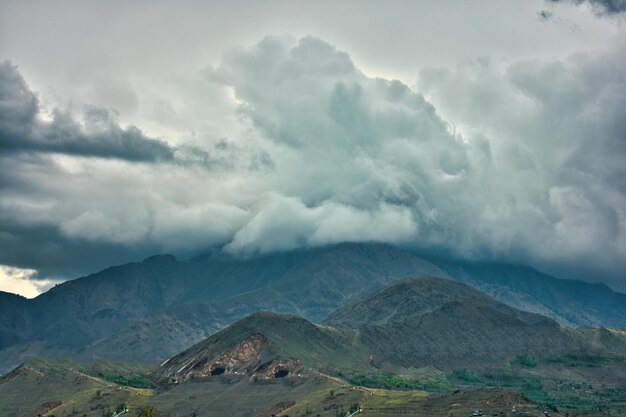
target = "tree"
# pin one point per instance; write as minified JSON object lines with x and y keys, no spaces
{"x":147,"y":412}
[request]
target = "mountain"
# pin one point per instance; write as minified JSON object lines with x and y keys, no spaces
{"x":152,"y":309}
{"x":14,"y":318}
{"x":79,"y":311}
{"x":420,"y":346}
{"x":266,"y":345}
{"x":414,"y":297}
{"x":432,"y":321}
{"x":570,"y":302}
{"x":416,"y":322}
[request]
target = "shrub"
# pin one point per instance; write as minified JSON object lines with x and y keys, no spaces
{"x":524,"y":360}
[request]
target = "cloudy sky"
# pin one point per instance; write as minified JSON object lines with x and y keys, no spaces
{"x":486,"y":130}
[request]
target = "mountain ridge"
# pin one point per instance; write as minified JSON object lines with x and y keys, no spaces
{"x":415,"y":323}
{"x":416,"y":296}
{"x":199,"y":296}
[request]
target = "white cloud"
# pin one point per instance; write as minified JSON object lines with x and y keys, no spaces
{"x":283,"y":223}
{"x":19,"y":281}
{"x":557,"y":137}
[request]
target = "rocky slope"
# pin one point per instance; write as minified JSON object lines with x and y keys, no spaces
{"x":264,"y":345}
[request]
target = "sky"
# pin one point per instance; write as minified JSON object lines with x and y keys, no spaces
{"x":480,"y":130}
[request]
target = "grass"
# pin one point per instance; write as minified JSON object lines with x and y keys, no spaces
{"x":539,"y":381}
{"x":95,"y":388}
{"x":221,"y":396}
{"x":464,"y":375}
{"x":79,"y":394}
{"x":540,"y":384}
{"x":585,"y":360}
{"x":393,"y":382}
{"x":132,"y":380}
{"x":386,"y":381}
{"x":487,"y":379}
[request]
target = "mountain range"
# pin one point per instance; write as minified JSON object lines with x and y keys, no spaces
{"x":153,"y":309}
{"x":414,"y":323}
{"x":419,"y":346}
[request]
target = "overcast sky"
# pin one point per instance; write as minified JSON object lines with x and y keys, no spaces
{"x":486,"y":130}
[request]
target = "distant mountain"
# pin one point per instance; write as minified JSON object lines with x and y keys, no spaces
{"x":414,"y":297}
{"x":432,"y":321}
{"x":151,"y":309}
{"x":570,"y":302}
{"x":14,"y":318}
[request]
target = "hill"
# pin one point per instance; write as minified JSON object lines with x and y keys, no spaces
{"x":419,"y":333}
{"x":431,"y":321}
{"x":416,"y":322}
{"x":64,"y":388}
{"x":266,"y":345}
{"x":413,"y":297}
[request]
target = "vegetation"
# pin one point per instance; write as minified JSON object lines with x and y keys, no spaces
{"x":392,"y":394}
{"x":147,"y":412}
{"x":466,"y":376}
{"x":394,"y":382}
{"x":585,"y":360}
{"x":387,"y":381}
{"x":525,"y":361}
{"x":499,"y":380}
{"x":133,"y":380}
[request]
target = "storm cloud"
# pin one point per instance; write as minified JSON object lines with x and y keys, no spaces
{"x":22,"y":128}
{"x":519,"y":161}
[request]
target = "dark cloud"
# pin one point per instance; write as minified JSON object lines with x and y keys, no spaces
{"x":53,"y":255}
{"x":23,"y":129}
{"x":600,"y":7}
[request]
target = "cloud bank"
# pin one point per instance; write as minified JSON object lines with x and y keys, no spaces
{"x":23,"y":130}
{"x":515,"y":162}
{"x":558,"y":138}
